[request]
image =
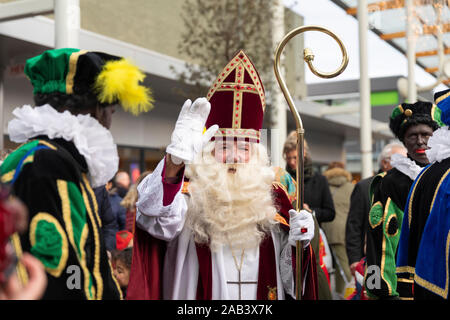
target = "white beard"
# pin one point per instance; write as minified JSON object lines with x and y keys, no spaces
{"x":231,"y":208}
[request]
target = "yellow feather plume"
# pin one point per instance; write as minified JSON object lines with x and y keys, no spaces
{"x":119,"y":80}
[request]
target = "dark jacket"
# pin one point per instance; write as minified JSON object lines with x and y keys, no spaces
{"x":118,"y":210}
{"x":341,"y":188}
{"x":109,"y":222}
{"x":317,"y":195}
{"x":356,"y":226}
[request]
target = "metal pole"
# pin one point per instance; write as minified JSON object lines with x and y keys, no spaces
{"x":67,"y":23}
{"x":364,"y":90}
{"x":279,"y":116}
{"x":411,"y":51}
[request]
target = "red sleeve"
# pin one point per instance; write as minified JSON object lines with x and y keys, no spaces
{"x":171,"y":186}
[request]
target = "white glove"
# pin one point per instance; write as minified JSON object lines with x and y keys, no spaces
{"x":187,"y":139}
{"x":298,"y":221}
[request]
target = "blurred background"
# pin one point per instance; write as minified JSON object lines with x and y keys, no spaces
{"x":398,"y":51}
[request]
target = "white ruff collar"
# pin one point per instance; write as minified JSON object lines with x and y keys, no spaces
{"x":439,"y":144}
{"x":405,"y":165}
{"x":92,"y":140}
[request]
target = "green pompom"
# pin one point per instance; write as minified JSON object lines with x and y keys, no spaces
{"x":396,"y":112}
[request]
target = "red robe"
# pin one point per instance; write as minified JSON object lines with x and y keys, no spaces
{"x":148,"y":256}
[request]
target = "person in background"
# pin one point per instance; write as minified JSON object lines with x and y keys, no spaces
{"x":341,"y":188}
{"x":121,"y":262}
{"x":110,"y":225}
{"x":129,"y":203}
{"x":317,"y":193}
{"x":120,"y":186}
{"x":358,"y":214}
{"x":413,"y":124}
{"x":122,"y":183}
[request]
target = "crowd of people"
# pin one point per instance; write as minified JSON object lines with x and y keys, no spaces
{"x":214,"y":220}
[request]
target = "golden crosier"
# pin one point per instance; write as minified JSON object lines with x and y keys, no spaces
{"x":308,"y":57}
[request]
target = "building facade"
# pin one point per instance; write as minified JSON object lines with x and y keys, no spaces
{"x":148,"y":32}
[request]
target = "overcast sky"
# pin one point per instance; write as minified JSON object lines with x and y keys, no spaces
{"x":384,"y":60}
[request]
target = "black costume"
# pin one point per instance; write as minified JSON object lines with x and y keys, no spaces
{"x":357,"y":221}
{"x":65,"y":152}
{"x":423,"y":253}
{"x":51,"y":177}
{"x":389,"y":192}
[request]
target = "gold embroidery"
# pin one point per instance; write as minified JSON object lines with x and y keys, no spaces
{"x":65,"y":205}
{"x":73,"y":60}
{"x":433,"y":109}
{"x":45,"y":143}
{"x":442,"y":97}
{"x":378,"y":203}
{"x":20,"y":268}
{"x":96,"y":271}
{"x":438,"y":187}
{"x":280,"y":219}
{"x":386,"y":227}
{"x":443,"y":292}
{"x":7,"y":177}
{"x":281,"y":186}
{"x":406,"y":269}
{"x":93,"y":198}
{"x":383,"y":249}
{"x":412,"y":196}
{"x":43,"y":216}
{"x":184,"y":188}
{"x":272,"y":294}
{"x":238,"y":133}
{"x":240,"y":59}
{"x":28,"y":159}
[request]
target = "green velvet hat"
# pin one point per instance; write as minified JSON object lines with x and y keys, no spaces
{"x":110,"y":78}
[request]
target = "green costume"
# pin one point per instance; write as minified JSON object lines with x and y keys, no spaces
{"x":388,"y":193}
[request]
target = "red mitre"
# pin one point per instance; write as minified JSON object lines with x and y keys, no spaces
{"x":237,"y":101}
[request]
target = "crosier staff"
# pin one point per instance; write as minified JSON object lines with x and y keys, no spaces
{"x":308,"y":57}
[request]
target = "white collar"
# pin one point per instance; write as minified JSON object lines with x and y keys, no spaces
{"x":92,"y":140}
{"x":439,"y":144}
{"x":405,"y":165}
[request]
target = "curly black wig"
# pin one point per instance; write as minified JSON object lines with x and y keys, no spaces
{"x":75,"y":103}
{"x":406,"y":115}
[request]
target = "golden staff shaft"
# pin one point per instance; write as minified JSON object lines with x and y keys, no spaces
{"x":308,"y":57}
